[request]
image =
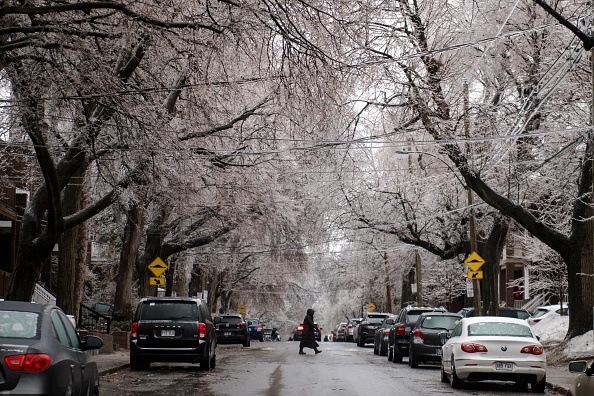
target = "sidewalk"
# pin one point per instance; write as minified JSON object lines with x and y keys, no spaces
{"x":559,"y":378}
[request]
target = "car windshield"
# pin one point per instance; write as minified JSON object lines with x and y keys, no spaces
{"x":231,"y":319}
{"x":440,"y":322}
{"x":168,"y":310}
{"x":540,"y":312}
{"x":376,"y":319}
{"x":499,"y":329}
{"x":14,"y":324}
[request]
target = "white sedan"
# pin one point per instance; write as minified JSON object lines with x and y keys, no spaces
{"x":493,"y":348}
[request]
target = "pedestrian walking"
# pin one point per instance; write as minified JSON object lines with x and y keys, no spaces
{"x":308,"y":338}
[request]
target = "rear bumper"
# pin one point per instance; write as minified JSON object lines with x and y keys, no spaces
{"x":232,"y":339}
{"x":190,"y":355}
{"x":426,"y":353}
{"x":473,"y":370}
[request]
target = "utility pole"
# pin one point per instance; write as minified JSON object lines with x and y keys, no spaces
{"x":388,"y":291}
{"x":419,"y":278}
{"x":472,"y":226}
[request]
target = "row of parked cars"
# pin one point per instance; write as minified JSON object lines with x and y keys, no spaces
{"x":467,"y":347}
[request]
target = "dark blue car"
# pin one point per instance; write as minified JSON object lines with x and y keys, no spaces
{"x":256,"y":329}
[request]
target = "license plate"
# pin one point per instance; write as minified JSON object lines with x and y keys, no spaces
{"x":438,"y":351}
{"x":504,"y":366}
{"x":167,"y":333}
{"x":227,"y":334}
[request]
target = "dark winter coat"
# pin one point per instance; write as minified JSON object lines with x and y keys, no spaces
{"x":308,"y":338}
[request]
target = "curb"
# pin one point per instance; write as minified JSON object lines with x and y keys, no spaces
{"x":114,"y":369}
{"x":557,"y":388}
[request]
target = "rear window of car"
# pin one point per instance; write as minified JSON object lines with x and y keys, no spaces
{"x":499,"y":329}
{"x":168,"y":310}
{"x":440,"y":322}
{"x":231,"y":319}
{"x":15,"y":324}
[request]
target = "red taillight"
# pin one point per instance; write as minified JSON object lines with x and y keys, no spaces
{"x":470,"y":347}
{"x":258,"y":327}
{"x":300,"y":328}
{"x":202,"y":330}
{"x":242,"y":324}
{"x":386,"y":331}
{"x":418,"y":336}
{"x":400,"y":330}
{"x":532,"y":349}
{"x":31,"y":363}
{"x":349,"y":326}
{"x":134,"y":330}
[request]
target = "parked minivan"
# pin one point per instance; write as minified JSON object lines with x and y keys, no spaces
{"x":172,"y":329}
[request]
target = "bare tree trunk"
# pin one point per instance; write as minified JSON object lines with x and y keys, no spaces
{"x":73,"y":248}
{"x":122,"y":306}
{"x":491,"y":253}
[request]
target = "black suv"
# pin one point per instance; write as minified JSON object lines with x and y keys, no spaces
{"x":398,"y":338}
{"x":232,"y":329}
{"x":172,"y":329}
{"x":365,"y":332}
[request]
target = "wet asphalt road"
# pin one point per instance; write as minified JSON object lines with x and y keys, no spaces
{"x":275,"y":368}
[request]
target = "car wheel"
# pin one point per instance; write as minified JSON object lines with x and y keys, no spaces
{"x":261,"y":339}
{"x":390,"y":355}
{"x":455,"y":381}
{"x":213,"y":361}
{"x":397,"y":358}
{"x":205,"y":362}
{"x":412,"y":362}
{"x":444,"y":376}
{"x":539,"y":386}
{"x":375,"y":349}
{"x":382,"y":350}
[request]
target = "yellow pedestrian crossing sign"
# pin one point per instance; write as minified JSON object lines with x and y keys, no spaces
{"x":157,"y":267}
{"x":156,"y":281}
{"x":475,"y":274}
{"x":474,"y":261}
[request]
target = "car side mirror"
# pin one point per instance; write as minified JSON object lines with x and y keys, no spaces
{"x":578,"y":366}
{"x":444,"y":336}
{"x":91,"y":342}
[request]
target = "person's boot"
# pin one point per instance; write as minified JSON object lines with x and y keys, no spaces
{"x":301,"y":351}
{"x":317,"y":351}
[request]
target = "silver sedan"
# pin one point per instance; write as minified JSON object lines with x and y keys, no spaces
{"x":496,"y":349}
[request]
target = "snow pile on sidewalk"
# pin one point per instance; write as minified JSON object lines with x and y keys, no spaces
{"x":552,"y":331}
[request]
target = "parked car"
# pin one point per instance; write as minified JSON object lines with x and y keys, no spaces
{"x":299,"y":330}
{"x":424,"y":342}
{"x":493,"y":348}
{"x":232,"y":329}
{"x":380,"y":339}
{"x":341,"y":331}
{"x":42,"y":354}
{"x":583,"y":385}
{"x":365,"y":332}
{"x":397,"y":337}
{"x":172,"y":329}
{"x":256,"y":329}
{"x":350,"y":328}
{"x":546,"y":311}
{"x":508,"y":312}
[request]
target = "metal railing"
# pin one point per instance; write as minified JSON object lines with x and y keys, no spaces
{"x":90,"y":319}
{"x":42,"y":296}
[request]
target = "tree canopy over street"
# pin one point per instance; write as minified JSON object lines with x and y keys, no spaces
{"x":286,"y":154}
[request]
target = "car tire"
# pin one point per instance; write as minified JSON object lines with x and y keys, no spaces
{"x":382,"y":350}
{"x":455,"y":381}
{"x":397,"y":358}
{"x":213,"y":361}
{"x":444,"y":376}
{"x":205,"y":362}
{"x":390,"y":354}
{"x":375,"y":349}
{"x":539,"y":386}
{"x":246,"y":343}
{"x":262,"y":339}
{"x":412,"y":362}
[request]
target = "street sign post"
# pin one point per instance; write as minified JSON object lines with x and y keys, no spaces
{"x":474,"y":261}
